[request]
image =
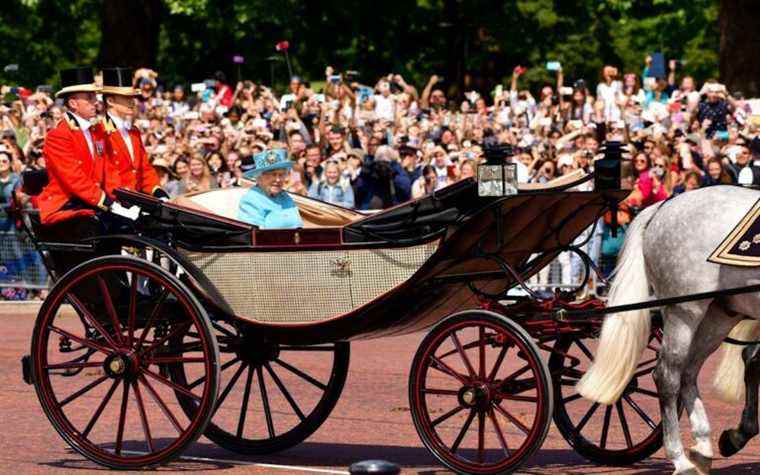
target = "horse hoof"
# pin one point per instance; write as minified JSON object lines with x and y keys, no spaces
{"x":687,"y":471}
{"x":703,"y":464}
{"x":729,"y":442}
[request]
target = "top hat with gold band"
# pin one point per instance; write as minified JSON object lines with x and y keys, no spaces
{"x":77,"y":80}
{"x":118,"y":81}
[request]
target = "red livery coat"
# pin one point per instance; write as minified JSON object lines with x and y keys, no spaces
{"x":79,"y":182}
{"x":136,"y":174}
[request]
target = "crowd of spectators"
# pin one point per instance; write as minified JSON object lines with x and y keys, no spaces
{"x":370,"y":146}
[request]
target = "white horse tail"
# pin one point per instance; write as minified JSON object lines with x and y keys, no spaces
{"x":624,"y":335}
{"x":729,"y":377}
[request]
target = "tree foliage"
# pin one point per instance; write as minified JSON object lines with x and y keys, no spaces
{"x":473,"y":43}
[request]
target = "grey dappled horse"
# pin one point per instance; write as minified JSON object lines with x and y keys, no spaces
{"x":666,"y":248}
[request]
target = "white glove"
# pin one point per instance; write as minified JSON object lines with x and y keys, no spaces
{"x":133,"y":212}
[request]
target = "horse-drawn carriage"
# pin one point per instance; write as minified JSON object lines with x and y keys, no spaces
{"x":204,"y":325}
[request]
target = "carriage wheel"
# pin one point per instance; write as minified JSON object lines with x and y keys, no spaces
{"x":480,"y":394}
{"x":268,"y":402}
{"x":620,"y":434}
{"x":98,"y":344}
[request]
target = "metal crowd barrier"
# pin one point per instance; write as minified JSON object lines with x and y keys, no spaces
{"x":20,"y":264}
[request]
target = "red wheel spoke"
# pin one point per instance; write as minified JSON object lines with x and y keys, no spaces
{"x":203,"y":378}
{"x":512,"y":419}
{"x":584,"y":349}
{"x":462,"y":432}
{"x":160,"y":402}
{"x":644,"y":371}
{"x":172,"y":384}
{"x":646,"y":392}
{"x":152,"y":318}
{"x":482,"y":353}
{"x":513,"y":397}
{"x":440,"y":392}
{"x":143,"y":416}
{"x":229,"y":386}
{"x":516,"y":374}
{"x":285,"y":392}
{"x":74,"y":365}
{"x":175,"y":359}
{"x":481,"y":435}
{"x":499,"y":433}
{"x":300,"y":373}
{"x":639,"y":411}
{"x":83,"y":390}
{"x":89,"y":344}
{"x":571,"y":398}
{"x":90,"y":318}
{"x":605,"y":427}
{"x":624,"y":424}
{"x":446,"y":369}
{"x":497,"y":363}
{"x":587,"y":417}
{"x":175,"y":331}
{"x":100,"y":408}
{"x":463,"y":355}
{"x":265,"y":402}
{"x":122,"y":418}
{"x":244,"y":405}
{"x":446,"y":416}
{"x":649,"y":361}
{"x":108,"y":302}
{"x":132,"y":310}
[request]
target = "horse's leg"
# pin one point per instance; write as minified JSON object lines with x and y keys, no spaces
{"x":711,"y":331}
{"x":679,"y":328}
{"x":733,"y":440}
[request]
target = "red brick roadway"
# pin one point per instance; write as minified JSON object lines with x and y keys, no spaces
{"x":370,"y":421}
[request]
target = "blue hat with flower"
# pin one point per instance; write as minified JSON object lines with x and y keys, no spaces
{"x":269,"y":160}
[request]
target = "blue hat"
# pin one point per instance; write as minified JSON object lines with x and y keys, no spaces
{"x":269,"y":160}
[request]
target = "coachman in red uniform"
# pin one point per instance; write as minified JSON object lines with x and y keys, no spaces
{"x":125,"y":147}
{"x":81,"y":177}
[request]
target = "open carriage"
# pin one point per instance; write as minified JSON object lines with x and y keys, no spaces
{"x":203,"y":325}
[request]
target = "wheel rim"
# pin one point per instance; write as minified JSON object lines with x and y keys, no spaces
{"x":475,"y":408}
{"x":97,"y":367}
{"x":622,"y":433}
{"x":268,"y":401}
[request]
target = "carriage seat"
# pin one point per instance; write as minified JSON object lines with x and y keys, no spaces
{"x":226,"y":202}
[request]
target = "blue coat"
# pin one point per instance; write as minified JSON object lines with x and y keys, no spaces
{"x":269,"y":212}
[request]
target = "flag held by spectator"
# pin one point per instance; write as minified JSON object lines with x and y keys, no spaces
{"x":282,"y":45}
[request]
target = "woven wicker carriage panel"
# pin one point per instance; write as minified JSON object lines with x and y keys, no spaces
{"x":308,"y":286}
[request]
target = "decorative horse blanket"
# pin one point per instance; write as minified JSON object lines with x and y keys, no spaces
{"x":742,"y":246}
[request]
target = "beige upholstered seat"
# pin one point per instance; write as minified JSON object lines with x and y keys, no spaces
{"x":226,"y":202}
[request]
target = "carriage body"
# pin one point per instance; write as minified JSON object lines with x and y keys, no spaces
{"x":242,"y":297}
{"x":371,"y":275}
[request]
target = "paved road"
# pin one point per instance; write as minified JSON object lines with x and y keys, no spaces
{"x":370,"y":421}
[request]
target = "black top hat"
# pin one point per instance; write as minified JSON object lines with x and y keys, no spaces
{"x":118,"y":81}
{"x":77,"y":80}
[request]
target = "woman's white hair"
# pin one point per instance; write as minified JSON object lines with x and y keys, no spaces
{"x":386,"y":153}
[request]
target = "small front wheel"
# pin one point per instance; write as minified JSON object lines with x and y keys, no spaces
{"x":480,"y":394}
{"x":100,"y":341}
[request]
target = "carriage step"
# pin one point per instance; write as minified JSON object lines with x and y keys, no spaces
{"x":26,"y":369}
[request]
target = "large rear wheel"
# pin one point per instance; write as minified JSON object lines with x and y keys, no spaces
{"x":273,"y":396}
{"x":480,"y":394}
{"x":99,"y":341}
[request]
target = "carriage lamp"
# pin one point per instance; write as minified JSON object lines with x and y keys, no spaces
{"x":497,"y":177}
{"x":607,"y":169}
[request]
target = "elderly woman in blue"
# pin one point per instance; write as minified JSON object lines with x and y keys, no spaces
{"x":267,"y":205}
